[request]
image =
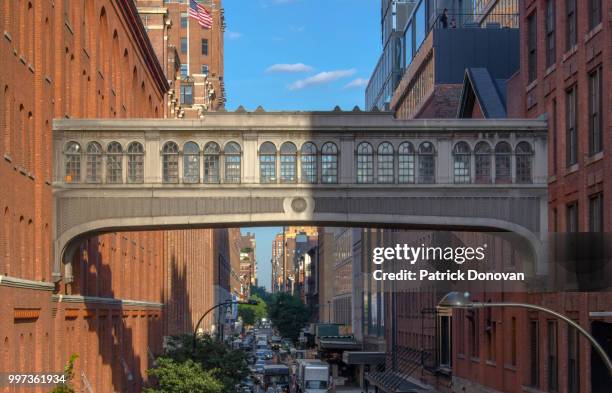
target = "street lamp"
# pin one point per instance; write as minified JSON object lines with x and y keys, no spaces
{"x":227,"y":303}
{"x":462,"y":300}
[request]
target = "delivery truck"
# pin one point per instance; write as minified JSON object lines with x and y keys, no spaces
{"x":312,"y":376}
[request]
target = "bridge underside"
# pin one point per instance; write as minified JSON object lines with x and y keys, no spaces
{"x":87,"y":212}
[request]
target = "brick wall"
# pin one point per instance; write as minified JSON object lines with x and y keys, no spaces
{"x":84,"y":59}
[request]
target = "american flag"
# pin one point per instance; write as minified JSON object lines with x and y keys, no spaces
{"x":197,"y":11}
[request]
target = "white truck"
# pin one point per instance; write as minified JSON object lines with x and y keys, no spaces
{"x":312,"y":376}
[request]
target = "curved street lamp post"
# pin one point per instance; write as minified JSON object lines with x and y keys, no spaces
{"x":227,"y":303}
{"x":462,"y":300}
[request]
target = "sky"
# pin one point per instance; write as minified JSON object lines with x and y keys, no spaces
{"x":297,"y":55}
{"x":300,"y":54}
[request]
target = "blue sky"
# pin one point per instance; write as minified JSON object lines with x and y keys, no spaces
{"x":298,"y":55}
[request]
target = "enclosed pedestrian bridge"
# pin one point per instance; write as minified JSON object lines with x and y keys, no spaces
{"x":323,"y":168}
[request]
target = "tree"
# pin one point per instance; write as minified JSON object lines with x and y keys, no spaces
{"x":230,"y":366}
{"x":66,"y":387}
{"x":183,"y":377}
{"x":288,"y":314}
{"x":247,"y":313}
{"x":261,"y":293}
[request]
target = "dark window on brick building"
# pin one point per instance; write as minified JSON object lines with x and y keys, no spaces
{"x":187,"y":94}
{"x":474,"y":335}
{"x":550,"y":33}
{"x":183,"y":44}
{"x":553,"y":372}
{"x":513,"y":343}
{"x":534,"y":353}
{"x":571,"y":24}
{"x":596,"y":207}
{"x":205,"y":46}
{"x":573,"y":364}
{"x":594,"y":13}
{"x":595,"y":112}
{"x":554,"y":136}
{"x":571,"y":132}
{"x":532,"y":45}
{"x":571,"y":218}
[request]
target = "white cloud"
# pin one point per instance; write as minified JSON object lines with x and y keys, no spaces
{"x":233,"y":35}
{"x":321,"y":78}
{"x":356,"y":83}
{"x":296,"y":67}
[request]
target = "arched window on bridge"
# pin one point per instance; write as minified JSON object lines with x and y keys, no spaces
{"x":114,"y":163}
{"x":94,"y":162}
{"x":211,"y":163}
{"x":191,"y":163}
{"x":524,"y":163}
{"x":462,"y":157}
{"x":170,"y":157}
{"x":135,"y":169}
{"x":405,"y":163}
{"x":72,"y":172}
{"x":288,"y":157}
{"x":308,"y":155}
{"x":386,"y":170}
{"x":267,"y":163}
{"x":365,"y":163}
{"x":427,"y":163}
{"x":503,"y":163}
{"x":482,"y":156}
{"x":329,"y":163}
{"x":232,"y":162}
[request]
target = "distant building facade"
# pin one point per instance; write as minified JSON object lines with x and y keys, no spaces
{"x":197,"y":52}
{"x":436,"y":52}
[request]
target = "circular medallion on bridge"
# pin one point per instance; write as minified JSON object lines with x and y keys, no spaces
{"x":299,"y":204}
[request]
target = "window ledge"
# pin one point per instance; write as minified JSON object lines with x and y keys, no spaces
{"x":8,"y":158}
{"x":588,"y":36}
{"x":532,"y":85}
{"x":550,"y":70}
{"x":48,"y":79}
{"x":460,"y":356}
{"x":571,"y":169}
{"x":492,"y":363}
{"x":510,"y":367}
{"x":567,"y":55}
{"x":475,"y":359}
{"x":7,"y":35}
{"x":594,"y":158}
{"x":552,"y":179}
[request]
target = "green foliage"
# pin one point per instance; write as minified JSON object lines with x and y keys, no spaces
{"x":183,"y":377}
{"x":66,"y":387}
{"x":261,"y":293}
{"x":247,"y":313}
{"x":230,"y":366}
{"x":251,"y":314}
{"x":246,"y":250}
{"x":288,"y":314}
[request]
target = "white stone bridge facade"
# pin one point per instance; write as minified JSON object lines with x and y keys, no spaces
{"x":283,"y":168}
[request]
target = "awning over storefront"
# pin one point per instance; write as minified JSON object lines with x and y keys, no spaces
{"x":339,"y":343}
{"x":362,"y":357}
{"x":393,"y":382}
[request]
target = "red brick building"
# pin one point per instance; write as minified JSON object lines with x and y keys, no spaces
{"x":87,"y":59}
{"x":177,"y":38}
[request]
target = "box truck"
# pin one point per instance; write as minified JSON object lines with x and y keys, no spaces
{"x":312,"y":376}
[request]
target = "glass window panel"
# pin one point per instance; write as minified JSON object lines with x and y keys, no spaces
{"x":73,"y":163}
{"x":232,"y":163}
{"x":135,"y":155}
{"x":170,"y":163}
{"x":94,"y":162}
{"x":386,"y":172}
{"x":406,"y":159}
{"x":114,"y":160}
{"x":365,"y":163}
{"x":329,"y":163}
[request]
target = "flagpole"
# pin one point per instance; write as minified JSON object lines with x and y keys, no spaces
{"x":188,"y":43}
